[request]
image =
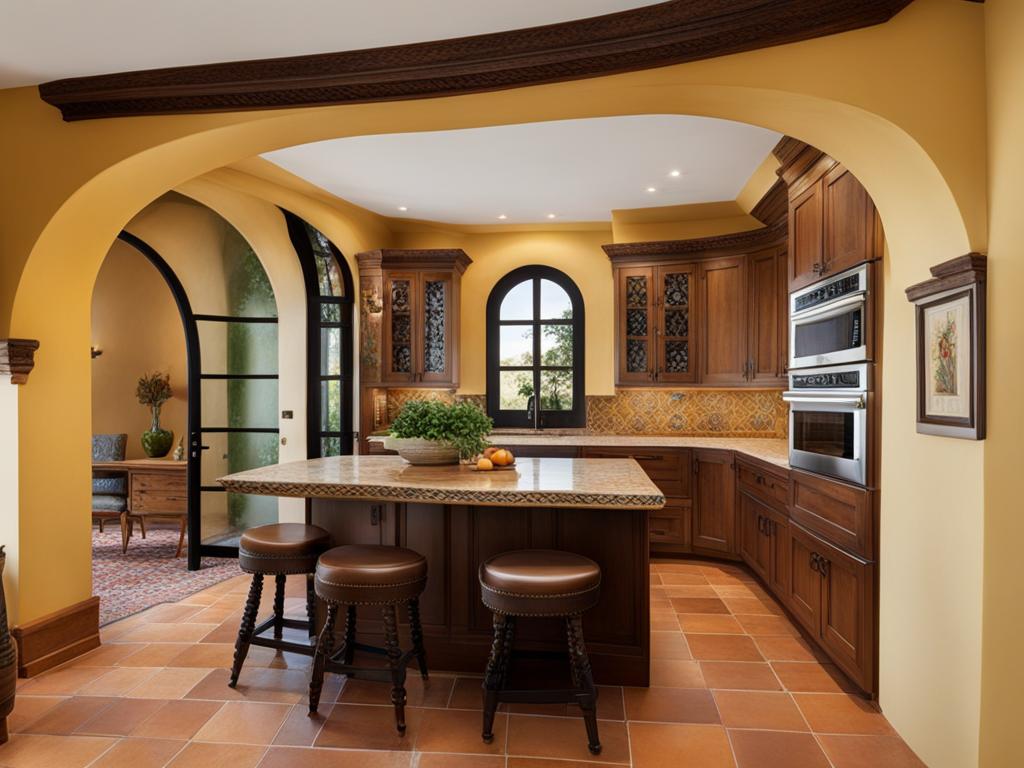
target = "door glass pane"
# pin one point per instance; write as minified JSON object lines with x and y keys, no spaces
{"x":556,"y":390}
{"x":518,"y":302}
{"x":677,"y":289}
{"x":636,"y":322}
{"x":554,"y":301}
{"x":401,"y":327}
{"x":330,"y":351}
{"x":226,"y":515}
{"x":330,"y":446}
{"x":636,"y":291}
{"x":230,"y":452}
{"x":237,"y":347}
{"x":330,"y":313}
{"x":831,"y":334}
{"x":327,"y":272}
{"x":434,"y":300}
{"x":516,"y":389}
{"x":636,"y":355}
{"x":556,"y":345}
{"x":677,"y":322}
{"x":239,"y":402}
{"x":516,"y":345}
{"x":677,"y":356}
{"x":330,"y":406}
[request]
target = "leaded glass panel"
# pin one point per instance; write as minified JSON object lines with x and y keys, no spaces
{"x":636,"y":355}
{"x":434,"y":328}
{"x":636,"y":322}
{"x":677,"y":356}
{"x":636,"y":291}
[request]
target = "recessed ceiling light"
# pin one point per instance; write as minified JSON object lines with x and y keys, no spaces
{"x":403,"y":208}
{"x":503,"y":217}
{"x":551,"y":215}
{"x":674,"y":174}
{"x":652,"y":189}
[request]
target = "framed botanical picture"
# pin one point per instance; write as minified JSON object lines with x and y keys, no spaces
{"x":951,"y":351}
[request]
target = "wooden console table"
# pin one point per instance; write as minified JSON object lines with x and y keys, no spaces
{"x":156,"y":489}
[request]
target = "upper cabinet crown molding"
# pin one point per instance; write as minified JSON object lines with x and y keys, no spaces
{"x":699,"y":247}
{"x":17,"y":358}
{"x":656,"y":35}
{"x":413,"y":258}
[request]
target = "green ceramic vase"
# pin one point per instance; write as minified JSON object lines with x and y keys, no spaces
{"x":156,"y":442}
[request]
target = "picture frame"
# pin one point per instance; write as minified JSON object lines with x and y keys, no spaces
{"x":950,"y":348}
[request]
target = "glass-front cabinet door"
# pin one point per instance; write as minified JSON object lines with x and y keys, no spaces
{"x":673,"y":336}
{"x":637,"y":324}
{"x":436,"y":302}
{"x":401,"y":295}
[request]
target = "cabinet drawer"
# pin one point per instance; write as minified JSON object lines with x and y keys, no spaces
{"x":767,"y":486}
{"x":670,"y":526}
{"x":840,"y":513}
{"x":158,"y":493}
{"x":670,"y":471}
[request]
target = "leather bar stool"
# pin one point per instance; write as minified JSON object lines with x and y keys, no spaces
{"x":540,"y":582}
{"x":277,"y":550}
{"x":356,"y":575}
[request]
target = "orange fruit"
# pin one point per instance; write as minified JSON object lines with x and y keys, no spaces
{"x":490,"y":451}
{"x":484,"y":464}
{"x":501,"y":457}
{"x":511,"y":458}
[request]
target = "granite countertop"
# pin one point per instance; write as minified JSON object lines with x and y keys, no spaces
{"x":578,"y":483}
{"x":770,"y":450}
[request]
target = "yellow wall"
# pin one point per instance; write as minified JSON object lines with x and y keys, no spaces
{"x":901,"y":104}
{"x":137,"y":325}
{"x":1002,"y":738}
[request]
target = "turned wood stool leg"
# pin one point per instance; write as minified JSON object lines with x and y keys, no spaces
{"x":416,"y":632}
{"x":252,"y":607}
{"x":324,"y":647}
{"x":398,"y":696}
{"x":311,"y":604}
{"x":494,"y":675}
{"x":345,"y":654}
{"x":583,"y":678}
{"x":279,"y":581}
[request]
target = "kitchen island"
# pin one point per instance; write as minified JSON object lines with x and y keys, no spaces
{"x":458,"y":517}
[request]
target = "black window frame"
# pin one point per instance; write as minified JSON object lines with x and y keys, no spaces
{"x":300,"y":231}
{"x":577,"y":415}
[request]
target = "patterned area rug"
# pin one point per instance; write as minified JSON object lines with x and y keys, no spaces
{"x":149,"y":573}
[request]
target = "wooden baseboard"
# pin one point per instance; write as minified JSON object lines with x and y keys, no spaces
{"x":51,"y":640}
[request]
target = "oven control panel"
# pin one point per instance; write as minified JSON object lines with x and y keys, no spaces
{"x":831,"y":380}
{"x":830,"y":290}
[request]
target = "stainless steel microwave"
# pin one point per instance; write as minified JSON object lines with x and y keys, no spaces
{"x":828,"y":321}
{"x":828,"y":421}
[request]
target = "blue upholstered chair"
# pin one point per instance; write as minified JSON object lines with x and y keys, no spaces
{"x":109,"y":489}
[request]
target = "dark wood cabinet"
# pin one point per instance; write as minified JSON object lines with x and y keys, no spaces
{"x":768,"y":317}
{"x":754,"y":535}
{"x":806,"y":230}
{"x":714,"y":495}
{"x":838,"y":512}
{"x":723,"y":339}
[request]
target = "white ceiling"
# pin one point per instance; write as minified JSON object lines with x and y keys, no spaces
{"x":577,"y":169}
{"x":44,"y":40}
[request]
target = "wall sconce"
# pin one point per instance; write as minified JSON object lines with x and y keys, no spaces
{"x":372,"y":303}
{"x":95,"y":352}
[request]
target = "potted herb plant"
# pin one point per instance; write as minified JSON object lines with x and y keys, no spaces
{"x":154,"y":390}
{"x":434,"y":432}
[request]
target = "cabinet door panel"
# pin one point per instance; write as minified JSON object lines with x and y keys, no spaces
{"x":849,"y":218}
{"x":754,"y":535}
{"x":714,"y":501}
{"x":675,"y":334}
{"x":670,"y":526}
{"x":636,"y":322}
{"x":723,"y":304}
{"x":847,"y":615}
{"x":806,"y":228}
{"x":804,"y":590}
{"x":435,"y":320}
{"x":767,"y":316}
{"x":400,"y":326}
{"x":779,"y":574}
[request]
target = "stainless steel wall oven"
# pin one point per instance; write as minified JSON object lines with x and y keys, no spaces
{"x":829,"y":320}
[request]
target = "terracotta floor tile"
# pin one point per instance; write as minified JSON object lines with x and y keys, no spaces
{"x":785,"y":648}
{"x":215,"y":614}
{"x":664,"y":621}
{"x":108,"y":654}
{"x":723,"y":648}
{"x":466,"y":694}
{"x":118,"y":682}
{"x":684,"y":578}
{"x":774,"y":749}
{"x":439,"y":760}
{"x":841,"y":713}
{"x":218,"y":756}
{"x":170,"y":613}
{"x":671,"y":705}
{"x":724,"y":579}
{"x":689,"y":590}
{"x":655,"y":579}
{"x":41,"y":751}
{"x":756,"y":624}
{"x":169,"y":683}
{"x":698,"y":605}
{"x":458,"y":730}
{"x":749,"y":605}
{"x":434,"y":692}
{"x":206,"y":655}
{"x":712,"y":623}
{"x":812,"y":677}
{"x":139,"y":753}
{"x":283,"y":757}
{"x":62,"y":682}
{"x":120,"y":718}
{"x":69,"y":715}
{"x":741,"y":675}
{"x":28,"y":709}
{"x":361,"y":726}
{"x":244,"y":722}
{"x":672,"y":673}
{"x":300,"y":729}
{"x":161,"y":632}
{"x":565,"y":739}
{"x":541,"y":762}
{"x":869,"y":752}
{"x":735,"y":590}
{"x":670,"y":745}
{"x":280,"y":686}
{"x":759,"y":709}
{"x":668,"y":566}
{"x":179,"y":719}
{"x":670,"y":645}
{"x":153,"y":654}
{"x":661,"y":604}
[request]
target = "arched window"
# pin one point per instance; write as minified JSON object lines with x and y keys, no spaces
{"x":535,"y":344}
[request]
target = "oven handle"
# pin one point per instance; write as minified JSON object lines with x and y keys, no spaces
{"x":857,"y":401}
{"x":831,"y":307}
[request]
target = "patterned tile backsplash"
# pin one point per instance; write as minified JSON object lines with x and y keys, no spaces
{"x":693,"y":412}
